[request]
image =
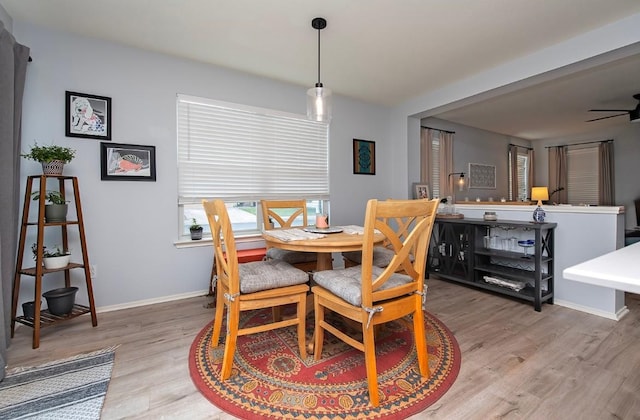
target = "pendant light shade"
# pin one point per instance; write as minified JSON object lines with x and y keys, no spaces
{"x":319,"y":97}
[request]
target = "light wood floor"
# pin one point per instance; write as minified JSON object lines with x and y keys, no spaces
{"x":516,"y":363}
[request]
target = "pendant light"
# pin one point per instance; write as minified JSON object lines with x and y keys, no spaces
{"x":319,"y":97}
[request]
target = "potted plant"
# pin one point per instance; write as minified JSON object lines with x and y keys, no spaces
{"x":195,"y":229}
{"x":52,"y":257}
{"x":56,"y":210}
{"x":51,"y":157}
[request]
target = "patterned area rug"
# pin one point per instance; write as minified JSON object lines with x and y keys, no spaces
{"x":270,"y":380}
{"x":72,"y":388}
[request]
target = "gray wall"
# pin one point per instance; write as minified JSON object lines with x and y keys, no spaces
{"x":472,"y":145}
{"x":131,"y":227}
{"x":480,"y":146}
{"x":626,"y":146}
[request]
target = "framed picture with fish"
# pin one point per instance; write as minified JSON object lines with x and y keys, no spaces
{"x":88,"y":116}
{"x":127,"y":162}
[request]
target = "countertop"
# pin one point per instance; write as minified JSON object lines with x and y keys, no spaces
{"x":618,"y":270}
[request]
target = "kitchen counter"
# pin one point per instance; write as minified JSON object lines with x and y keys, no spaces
{"x":618,"y":270}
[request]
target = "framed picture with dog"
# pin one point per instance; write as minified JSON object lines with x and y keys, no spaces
{"x":88,"y":116}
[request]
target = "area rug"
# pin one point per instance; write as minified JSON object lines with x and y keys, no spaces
{"x":72,"y":388}
{"x":269,"y":379}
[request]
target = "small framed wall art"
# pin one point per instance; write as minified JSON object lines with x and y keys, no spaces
{"x":364,"y":157}
{"x":88,"y":116}
{"x":127,"y":162}
{"x":420,"y":191}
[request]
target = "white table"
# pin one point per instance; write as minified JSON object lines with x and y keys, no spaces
{"x":619,"y":270}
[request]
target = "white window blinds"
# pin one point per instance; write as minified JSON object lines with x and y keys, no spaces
{"x":523,"y":178}
{"x":582,"y":176}
{"x":435,"y":165}
{"x":240,"y":153}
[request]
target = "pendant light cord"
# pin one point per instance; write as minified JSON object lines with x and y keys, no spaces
{"x":319,"y":84}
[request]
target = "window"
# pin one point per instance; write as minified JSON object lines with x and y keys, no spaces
{"x":582,"y":175}
{"x":522,"y":162}
{"x":243,"y":154}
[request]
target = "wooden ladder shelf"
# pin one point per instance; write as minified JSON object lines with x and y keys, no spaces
{"x":43,"y":318}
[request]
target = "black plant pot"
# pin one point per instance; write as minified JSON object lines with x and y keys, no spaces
{"x":196,"y":234}
{"x":60,"y":301}
{"x":29,"y":309}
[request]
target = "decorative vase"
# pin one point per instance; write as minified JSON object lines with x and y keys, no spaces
{"x":539,"y":215}
{"x":54,"y":167}
{"x":55,"y":212}
{"x":52,"y":263}
{"x":60,"y":301}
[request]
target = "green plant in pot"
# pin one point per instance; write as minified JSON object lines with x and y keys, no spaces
{"x":51,"y":157}
{"x":56,"y":208}
{"x":195,"y":229}
{"x":53,"y":258}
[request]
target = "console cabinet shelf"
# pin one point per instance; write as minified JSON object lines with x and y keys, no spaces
{"x":42,"y":317}
{"x":486,"y":254}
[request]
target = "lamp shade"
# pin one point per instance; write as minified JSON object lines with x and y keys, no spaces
{"x":319,"y":103}
{"x":539,"y":194}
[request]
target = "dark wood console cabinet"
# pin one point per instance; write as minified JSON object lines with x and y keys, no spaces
{"x":481,"y":253}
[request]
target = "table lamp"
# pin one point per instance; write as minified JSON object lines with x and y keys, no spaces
{"x":540,"y":194}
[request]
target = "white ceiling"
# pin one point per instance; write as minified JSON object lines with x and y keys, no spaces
{"x":379,"y":51}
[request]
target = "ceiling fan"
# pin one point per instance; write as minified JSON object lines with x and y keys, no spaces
{"x":634,"y":114}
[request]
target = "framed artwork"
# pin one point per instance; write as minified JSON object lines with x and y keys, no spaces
{"x":421,"y":191}
{"x":88,"y":116}
{"x":127,"y":162}
{"x":364,"y":157}
{"x":482,"y":176}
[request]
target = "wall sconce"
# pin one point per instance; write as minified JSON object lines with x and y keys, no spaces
{"x":460,"y":180}
{"x":540,"y":194}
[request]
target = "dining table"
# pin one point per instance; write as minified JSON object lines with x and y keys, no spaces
{"x":324,"y":241}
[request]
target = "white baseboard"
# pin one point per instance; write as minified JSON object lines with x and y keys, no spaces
{"x":616,"y":316}
{"x":145,"y":302}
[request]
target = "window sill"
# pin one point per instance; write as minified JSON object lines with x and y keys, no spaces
{"x":249,"y":242}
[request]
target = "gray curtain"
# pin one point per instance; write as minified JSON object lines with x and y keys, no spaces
{"x":13,"y":68}
{"x":605,"y":176}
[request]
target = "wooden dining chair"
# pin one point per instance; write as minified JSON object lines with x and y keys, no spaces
{"x":248,"y":286}
{"x":382,"y":253}
{"x":283,"y":214}
{"x":371,"y":295}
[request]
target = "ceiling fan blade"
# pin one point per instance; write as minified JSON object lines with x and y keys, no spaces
{"x":610,"y":110}
{"x":604,"y":118}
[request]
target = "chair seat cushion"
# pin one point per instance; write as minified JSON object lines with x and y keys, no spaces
{"x":292,"y":257}
{"x":346,"y":283}
{"x":382,"y":256}
{"x":271,"y":274}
